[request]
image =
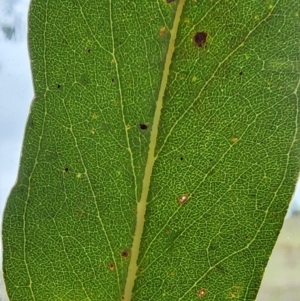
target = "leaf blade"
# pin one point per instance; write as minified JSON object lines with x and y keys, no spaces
{"x":219,"y":145}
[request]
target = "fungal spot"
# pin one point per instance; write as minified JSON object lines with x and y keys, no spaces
{"x":66,"y":169}
{"x":79,"y":214}
{"x":183,"y":199}
{"x":111,"y":266}
{"x":234,"y":139}
{"x":124,"y":254}
{"x":200,"y":38}
{"x":241,"y":73}
{"x":58,"y":86}
{"x":143,"y":126}
{"x":201,"y":293}
{"x":235,"y":292}
{"x":162,"y":31}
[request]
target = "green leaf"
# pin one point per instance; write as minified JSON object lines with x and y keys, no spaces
{"x":162,"y":143}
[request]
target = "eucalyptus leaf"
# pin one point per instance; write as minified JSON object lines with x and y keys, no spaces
{"x":161,"y":151}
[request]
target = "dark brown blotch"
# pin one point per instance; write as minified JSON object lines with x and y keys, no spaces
{"x":143,"y":126}
{"x":200,"y":38}
{"x":111,"y":266}
{"x":125,"y":254}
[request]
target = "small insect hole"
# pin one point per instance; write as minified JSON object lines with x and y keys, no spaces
{"x":143,"y":126}
{"x":89,"y":50}
{"x":241,"y":73}
{"x":58,"y":86}
{"x":112,"y":80}
{"x":181,"y":158}
{"x":200,"y":38}
{"x":66,"y":169}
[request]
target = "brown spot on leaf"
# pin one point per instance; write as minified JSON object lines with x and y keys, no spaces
{"x":162,"y":32}
{"x":170,"y":1}
{"x":111,"y":266}
{"x":200,"y":38}
{"x":124,"y":254}
{"x":143,"y":126}
{"x":183,"y":199}
{"x":201,"y":293}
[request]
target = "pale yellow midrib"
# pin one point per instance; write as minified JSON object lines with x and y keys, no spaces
{"x":141,"y":206}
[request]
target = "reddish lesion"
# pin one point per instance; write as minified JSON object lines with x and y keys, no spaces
{"x":111,"y":266}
